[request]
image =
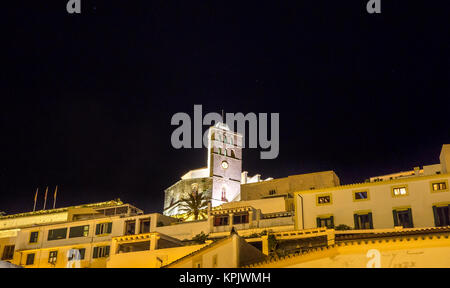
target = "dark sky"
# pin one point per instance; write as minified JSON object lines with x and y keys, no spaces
{"x":87,"y":99}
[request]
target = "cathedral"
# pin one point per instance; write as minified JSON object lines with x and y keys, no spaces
{"x":220,"y":180}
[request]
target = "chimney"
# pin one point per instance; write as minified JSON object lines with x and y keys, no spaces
{"x":244,"y":176}
{"x":445,"y":158}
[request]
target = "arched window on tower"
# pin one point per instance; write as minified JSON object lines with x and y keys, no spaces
{"x":224,"y":195}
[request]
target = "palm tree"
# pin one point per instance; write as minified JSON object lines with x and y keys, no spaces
{"x":194,"y":205}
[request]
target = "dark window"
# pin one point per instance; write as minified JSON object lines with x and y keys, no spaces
{"x":361,"y":195}
{"x":30,"y":259}
{"x":439,"y":186}
{"x":144,"y":226}
{"x":82,"y":252}
{"x":232,"y":154}
{"x":441,"y":215}
{"x":324,"y":199}
{"x":110,"y":211}
{"x":363,"y":221}
{"x":57,"y":234}
{"x":79,"y":231}
{"x":34,"y":237}
{"x":403,"y":218}
{"x":325,"y":222}
{"x":221,"y":220}
{"x":101,"y":252}
{"x":130,"y":227}
{"x":122,"y":210}
{"x":53,"y":255}
{"x":272,"y":192}
{"x":103,"y":228}
{"x":240,"y":218}
{"x":8,"y":252}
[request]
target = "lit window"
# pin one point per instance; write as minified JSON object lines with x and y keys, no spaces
{"x":323,"y":199}
{"x":399,"y":191}
{"x":52,"y":257}
{"x":439,"y":186}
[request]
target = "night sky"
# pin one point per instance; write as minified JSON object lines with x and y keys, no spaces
{"x":87,"y":99}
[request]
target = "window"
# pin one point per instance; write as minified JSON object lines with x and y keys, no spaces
{"x":57,"y":234}
{"x":144,"y":226}
{"x":323,"y":199}
{"x":360,"y":195}
{"x":399,"y":191}
{"x":82,"y":252}
{"x":8,"y":252}
{"x":30,"y":259}
{"x":224,"y":195}
{"x":130,"y":227}
{"x":441,"y":215}
{"x":232,"y":154}
{"x":101,"y":252}
{"x":221,"y":220}
{"x":363,"y":221}
{"x":52,"y":257}
{"x":240,"y":218}
{"x":439,"y":186}
{"x":103,"y":228}
{"x":34,"y":236}
{"x":272,"y":192}
{"x":79,"y":231}
{"x":325,"y":222}
{"x":403,"y":218}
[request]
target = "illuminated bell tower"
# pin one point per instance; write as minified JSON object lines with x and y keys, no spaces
{"x":224,"y":164}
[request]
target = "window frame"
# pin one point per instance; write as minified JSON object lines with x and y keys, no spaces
{"x":84,"y":231}
{"x":52,"y":257}
{"x":28,"y":258}
{"x":356,"y":214}
{"x":37,"y":237}
{"x":48,"y":235}
{"x":324,"y":195}
{"x":325,"y":217}
{"x":397,"y":187}
{"x":397,"y":210}
{"x":447,"y":189}
{"x":103,"y":233}
{"x":360,"y":191}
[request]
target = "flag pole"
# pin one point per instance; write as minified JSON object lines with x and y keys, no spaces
{"x":35,"y":198}
{"x":54,"y":196}
{"x":45,"y":197}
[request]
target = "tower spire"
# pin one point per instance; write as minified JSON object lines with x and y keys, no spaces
{"x":222,"y":117}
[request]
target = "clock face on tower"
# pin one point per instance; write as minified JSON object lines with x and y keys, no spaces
{"x":224,"y":164}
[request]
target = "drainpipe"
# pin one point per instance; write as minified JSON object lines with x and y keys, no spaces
{"x":303,"y":218}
